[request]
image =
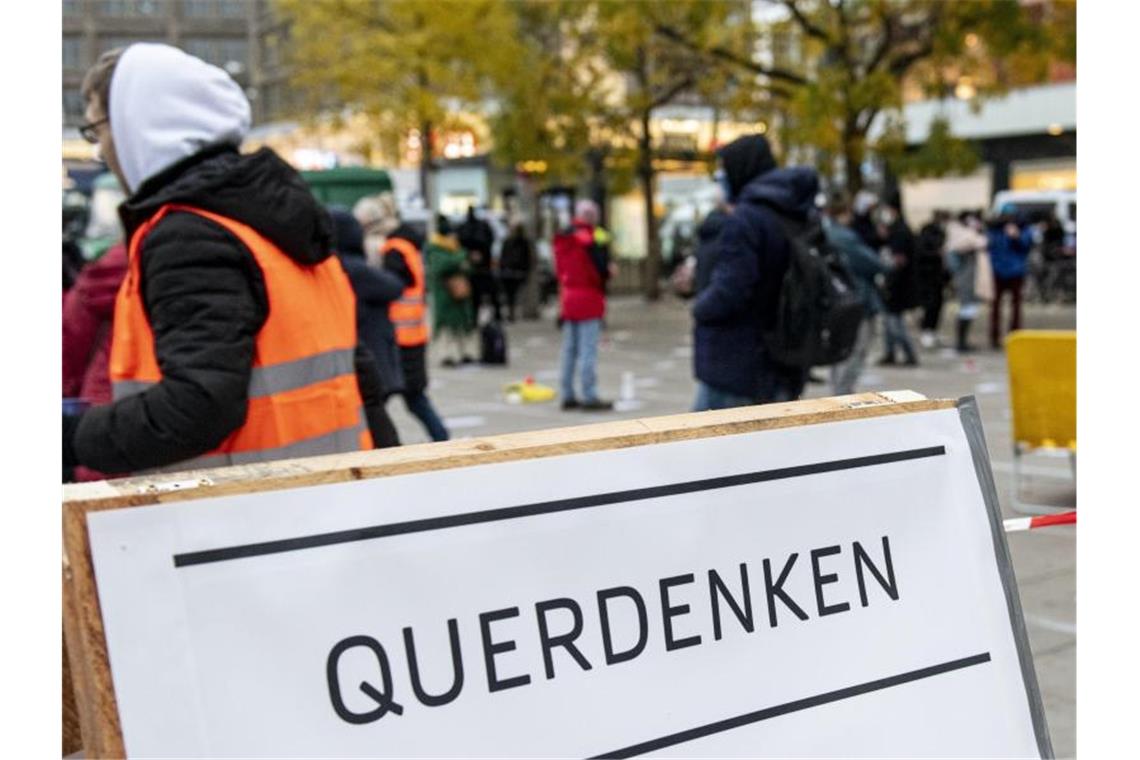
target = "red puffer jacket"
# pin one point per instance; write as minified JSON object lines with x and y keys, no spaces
{"x":581,"y":287}
{"x":87,"y":312}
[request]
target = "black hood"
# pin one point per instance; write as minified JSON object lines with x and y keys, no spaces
{"x":744,"y":159}
{"x":258,"y":189}
{"x":790,"y":191}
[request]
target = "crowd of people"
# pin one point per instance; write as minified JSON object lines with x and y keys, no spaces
{"x":749,"y":242}
{"x":238,"y":320}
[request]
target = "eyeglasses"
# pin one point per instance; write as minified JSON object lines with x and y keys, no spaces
{"x":90,"y":132}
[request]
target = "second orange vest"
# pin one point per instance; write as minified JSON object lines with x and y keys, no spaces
{"x":408,"y":311}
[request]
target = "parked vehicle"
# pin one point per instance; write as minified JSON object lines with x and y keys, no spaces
{"x":1031,"y":204}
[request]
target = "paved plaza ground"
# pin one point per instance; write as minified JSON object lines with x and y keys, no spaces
{"x":648,"y":348}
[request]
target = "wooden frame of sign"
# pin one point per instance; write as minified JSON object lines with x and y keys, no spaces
{"x":86,"y":663}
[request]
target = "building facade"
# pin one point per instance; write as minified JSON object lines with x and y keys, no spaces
{"x":240,"y":36}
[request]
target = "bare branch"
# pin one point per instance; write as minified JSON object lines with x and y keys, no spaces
{"x":805,"y":23}
{"x":671,"y":92}
{"x":885,"y":43}
{"x":728,"y":56}
{"x":865,"y":119}
{"x":900,"y":64}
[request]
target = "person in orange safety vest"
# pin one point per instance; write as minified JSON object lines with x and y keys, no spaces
{"x":234,"y":334}
{"x":400,"y":251}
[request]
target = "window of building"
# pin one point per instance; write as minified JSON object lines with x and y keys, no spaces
{"x":234,"y":51}
{"x":72,"y":52}
{"x":232,"y":8}
{"x":110,"y":43}
{"x":132,"y":8}
{"x":72,"y":8}
{"x":198,"y":8}
{"x":220,"y":52}
{"x":73,"y":106}
{"x":201,"y":47}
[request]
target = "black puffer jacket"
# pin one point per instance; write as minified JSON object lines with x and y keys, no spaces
{"x":206,"y":300}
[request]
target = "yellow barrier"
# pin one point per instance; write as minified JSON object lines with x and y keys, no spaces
{"x":1043,"y":398}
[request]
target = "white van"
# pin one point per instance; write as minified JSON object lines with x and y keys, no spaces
{"x":1029,"y":203}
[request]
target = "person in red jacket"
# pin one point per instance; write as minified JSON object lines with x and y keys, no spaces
{"x":581,"y":262}
{"x":88,"y":309}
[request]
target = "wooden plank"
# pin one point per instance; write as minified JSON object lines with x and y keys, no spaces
{"x":196,"y":484}
{"x":83,"y":624}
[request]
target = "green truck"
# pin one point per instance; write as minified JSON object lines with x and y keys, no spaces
{"x":346,"y":185}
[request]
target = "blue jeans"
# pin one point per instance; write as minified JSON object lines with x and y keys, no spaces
{"x":421,"y":408}
{"x":709,"y":397}
{"x":580,"y":351}
{"x":895,"y":334}
{"x":845,"y":375}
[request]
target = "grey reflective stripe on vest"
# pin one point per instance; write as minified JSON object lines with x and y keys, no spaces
{"x":337,"y":442}
{"x":287,"y":376}
{"x":408,"y":322}
{"x":273,"y":378}
{"x":415,"y":301}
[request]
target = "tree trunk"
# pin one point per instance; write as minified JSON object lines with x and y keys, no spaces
{"x":645,"y":175}
{"x":852,"y":162}
{"x":595,"y":157}
{"x":425,"y":165}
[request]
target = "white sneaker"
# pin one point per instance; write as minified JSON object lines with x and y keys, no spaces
{"x":927,"y":339}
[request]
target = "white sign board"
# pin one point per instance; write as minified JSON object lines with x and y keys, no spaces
{"x":831,"y":590}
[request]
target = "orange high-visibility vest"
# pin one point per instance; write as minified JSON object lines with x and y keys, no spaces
{"x":407,"y":312}
{"x":303,"y":396}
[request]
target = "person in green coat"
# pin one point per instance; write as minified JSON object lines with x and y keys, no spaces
{"x":453,"y":314}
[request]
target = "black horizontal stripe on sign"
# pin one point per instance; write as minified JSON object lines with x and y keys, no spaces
{"x":543,"y":508}
{"x":795,"y":706}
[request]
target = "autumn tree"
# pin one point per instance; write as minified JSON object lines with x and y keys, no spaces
{"x":595,"y":73}
{"x":409,"y":65}
{"x":833,"y":66}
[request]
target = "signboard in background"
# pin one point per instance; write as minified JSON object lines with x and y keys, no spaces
{"x":759,"y":582}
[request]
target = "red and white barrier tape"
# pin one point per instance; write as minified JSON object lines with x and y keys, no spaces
{"x":1027,"y":523}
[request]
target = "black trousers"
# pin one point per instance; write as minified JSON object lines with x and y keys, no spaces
{"x":932,"y":283}
{"x":511,"y":286}
{"x":483,"y":286}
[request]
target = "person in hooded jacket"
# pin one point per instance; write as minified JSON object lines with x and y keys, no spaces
{"x":375,"y":290}
{"x":738,"y":306}
{"x":203,"y":372}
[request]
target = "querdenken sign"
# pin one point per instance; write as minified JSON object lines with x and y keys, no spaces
{"x":836,"y":589}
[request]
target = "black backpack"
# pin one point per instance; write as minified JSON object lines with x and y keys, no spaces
{"x":819,"y":307}
{"x":494,"y":344}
